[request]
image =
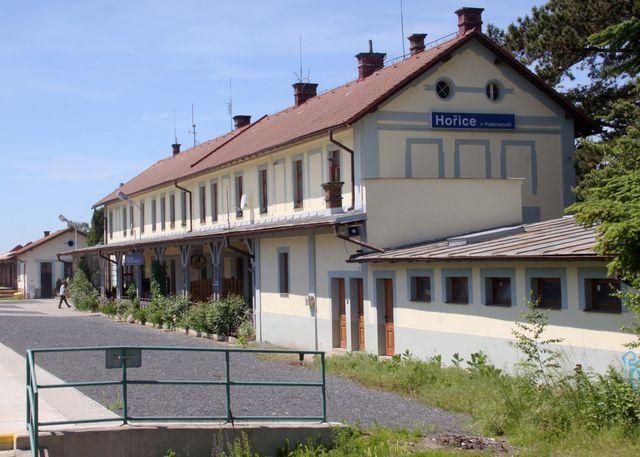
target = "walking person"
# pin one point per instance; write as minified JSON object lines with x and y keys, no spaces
{"x":63,"y":295}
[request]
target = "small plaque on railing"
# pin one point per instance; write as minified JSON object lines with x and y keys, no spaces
{"x":114,"y":358}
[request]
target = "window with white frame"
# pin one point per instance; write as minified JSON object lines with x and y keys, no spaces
{"x":263,"y":190}
{"x":124,"y":221}
{"x":142,"y":219}
{"x":283,"y":271}
{"x":153,"y":215}
{"x":298,"y":184}
{"x":172,"y":211}
{"x":183,"y":208}
{"x":203,"y":204}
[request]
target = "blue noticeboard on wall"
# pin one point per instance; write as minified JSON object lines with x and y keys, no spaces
{"x":472,"y":121}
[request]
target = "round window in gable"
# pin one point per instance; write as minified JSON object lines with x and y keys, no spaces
{"x":493,"y":91}
{"x":444,"y":89}
{"x":70,"y":243}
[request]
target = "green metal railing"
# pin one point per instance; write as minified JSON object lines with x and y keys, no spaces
{"x":32,"y":387}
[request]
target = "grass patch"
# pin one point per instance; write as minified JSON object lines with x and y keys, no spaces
{"x":577,"y":414}
{"x":350,"y":442}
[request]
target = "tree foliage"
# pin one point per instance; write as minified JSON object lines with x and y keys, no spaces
{"x":95,"y":235}
{"x":610,"y":201}
{"x":595,"y":38}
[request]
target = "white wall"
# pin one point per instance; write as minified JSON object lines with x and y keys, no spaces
{"x":593,"y":339}
{"x":47,"y":252}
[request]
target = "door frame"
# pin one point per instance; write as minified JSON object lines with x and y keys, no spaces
{"x":358,"y":320}
{"x":350,"y":303}
{"x":49,"y":293}
{"x":378,"y":277}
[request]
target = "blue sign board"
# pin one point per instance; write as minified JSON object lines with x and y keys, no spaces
{"x":135,"y":258}
{"x":472,"y":121}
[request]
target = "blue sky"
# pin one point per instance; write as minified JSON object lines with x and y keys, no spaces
{"x":87,"y":89}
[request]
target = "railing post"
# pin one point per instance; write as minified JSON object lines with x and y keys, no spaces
{"x":34,"y":425}
{"x":324,"y":390}
{"x":228,"y":385}
{"x":26,"y":391}
{"x":123,"y":359}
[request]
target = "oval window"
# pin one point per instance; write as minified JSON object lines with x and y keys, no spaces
{"x":443,"y":89}
{"x":493,"y":91}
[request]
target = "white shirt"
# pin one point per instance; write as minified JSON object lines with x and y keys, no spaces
{"x":62,"y":289}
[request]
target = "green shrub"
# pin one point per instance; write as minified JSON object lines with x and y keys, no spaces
{"x":122,"y":307}
{"x":140,"y":314}
{"x":196,"y":317}
{"x":83,"y":295}
{"x":156,"y":313}
{"x":175,"y":309}
{"x":225,"y":316}
{"x":132,"y":295}
{"x":109,"y":308}
{"x":246,"y":332}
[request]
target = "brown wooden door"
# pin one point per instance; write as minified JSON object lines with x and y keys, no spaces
{"x":46,"y":280}
{"x":360,"y":305}
{"x":388,"y":317}
{"x":342,"y":314}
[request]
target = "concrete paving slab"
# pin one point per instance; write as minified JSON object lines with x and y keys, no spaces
{"x":55,"y":404}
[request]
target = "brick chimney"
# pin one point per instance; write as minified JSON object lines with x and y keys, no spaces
{"x":416,"y":43}
{"x":369,"y":62}
{"x":176,"y":149}
{"x":241,"y":120}
{"x":304,"y":91}
{"x":47,"y":233}
{"x":469,"y":20}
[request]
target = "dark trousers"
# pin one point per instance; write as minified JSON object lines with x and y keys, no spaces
{"x":63,"y":298}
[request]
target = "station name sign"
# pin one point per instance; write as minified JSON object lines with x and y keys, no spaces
{"x":472,"y":121}
{"x":134,"y":258}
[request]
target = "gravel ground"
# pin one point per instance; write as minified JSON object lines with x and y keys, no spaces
{"x":346,"y":401}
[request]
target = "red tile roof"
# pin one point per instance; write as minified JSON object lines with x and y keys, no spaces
{"x":333,"y":109}
{"x":34,"y":244}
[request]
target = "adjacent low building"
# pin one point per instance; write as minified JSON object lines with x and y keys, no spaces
{"x":35,"y":270}
{"x":452,"y":150}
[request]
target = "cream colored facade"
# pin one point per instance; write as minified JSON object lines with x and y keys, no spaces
{"x":279,"y":166}
{"x":413,"y":183}
{"x":43,"y":262}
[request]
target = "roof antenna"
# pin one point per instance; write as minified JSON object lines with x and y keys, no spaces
{"x":402,"y":27}
{"x":175,"y":132}
{"x":193,"y":127}
{"x":230,"y":107}
{"x":300,"y":76}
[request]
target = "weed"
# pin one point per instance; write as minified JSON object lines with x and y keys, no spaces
{"x":540,"y":360}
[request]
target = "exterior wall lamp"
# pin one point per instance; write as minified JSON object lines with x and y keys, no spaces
{"x":75,"y":230}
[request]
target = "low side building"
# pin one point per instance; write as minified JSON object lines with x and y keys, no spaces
{"x":38,"y":269}
{"x":465,"y":293}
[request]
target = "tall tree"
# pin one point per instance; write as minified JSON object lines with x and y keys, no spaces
{"x":95,"y":234}
{"x":566,"y":38}
{"x":610,"y":201}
